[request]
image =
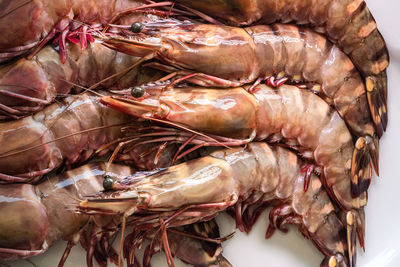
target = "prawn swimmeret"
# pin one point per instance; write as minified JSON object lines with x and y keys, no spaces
{"x":245,"y":179}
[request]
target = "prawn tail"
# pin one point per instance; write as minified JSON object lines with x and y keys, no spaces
{"x":360,"y":167}
{"x":222,"y":262}
{"x":355,"y":222}
{"x":207,"y":229}
{"x":208,"y":250}
{"x":373,"y":146}
{"x":377,"y":100}
{"x":360,"y":226}
{"x":351,"y":234}
{"x":334,"y":260}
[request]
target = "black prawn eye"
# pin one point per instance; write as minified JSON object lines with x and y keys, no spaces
{"x":108,"y":182}
{"x":137,"y":91}
{"x":137,"y":27}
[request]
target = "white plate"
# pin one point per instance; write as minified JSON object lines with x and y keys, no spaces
{"x":382,"y":212}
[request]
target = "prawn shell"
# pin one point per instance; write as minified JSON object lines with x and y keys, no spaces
{"x":22,"y":211}
{"x":232,"y":106}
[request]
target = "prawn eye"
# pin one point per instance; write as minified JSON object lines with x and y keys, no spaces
{"x":137,"y":27}
{"x":108,"y":182}
{"x":137,"y":91}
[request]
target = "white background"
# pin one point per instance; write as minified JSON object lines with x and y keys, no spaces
{"x":284,"y":250}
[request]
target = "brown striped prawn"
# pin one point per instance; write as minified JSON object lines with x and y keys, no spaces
{"x":222,"y":56}
{"x":245,"y":179}
{"x":34,"y":217}
{"x":347,"y":23}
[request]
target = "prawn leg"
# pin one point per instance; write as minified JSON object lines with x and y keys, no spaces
{"x":361,"y":169}
{"x":190,"y":248}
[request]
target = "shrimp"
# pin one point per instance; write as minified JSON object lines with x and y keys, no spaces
{"x":347,"y":23}
{"x":30,"y":24}
{"x":39,"y":215}
{"x":29,"y":85}
{"x":69,"y":131}
{"x":240,"y":178}
{"x":204,"y":53}
{"x":293,"y":116}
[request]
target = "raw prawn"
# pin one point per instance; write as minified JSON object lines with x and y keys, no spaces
{"x":348,"y":23}
{"x":36,"y":216}
{"x":248,"y":179}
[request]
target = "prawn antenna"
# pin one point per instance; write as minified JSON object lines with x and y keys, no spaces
{"x":63,"y":137}
{"x":15,"y":8}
